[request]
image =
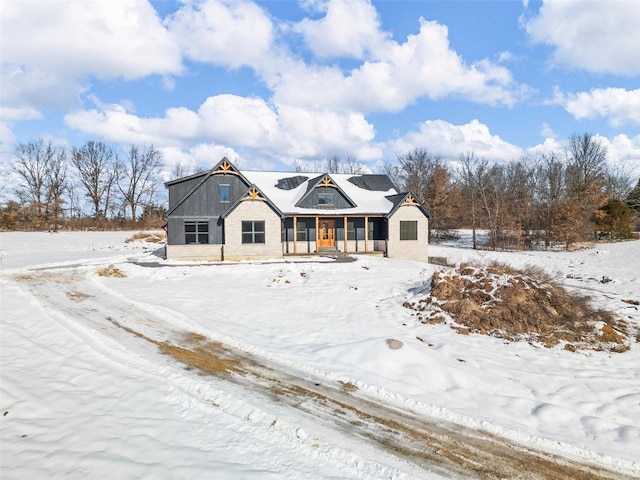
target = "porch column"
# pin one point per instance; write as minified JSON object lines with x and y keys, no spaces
{"x":295,"y":235}
{"x":317,"y":232}
{"x":366,"y":234}
{"x":345,"y":235}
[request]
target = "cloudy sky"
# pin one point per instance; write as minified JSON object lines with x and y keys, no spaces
{"x":273,"y":83}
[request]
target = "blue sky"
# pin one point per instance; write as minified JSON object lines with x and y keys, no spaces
{"x":273,"y":84}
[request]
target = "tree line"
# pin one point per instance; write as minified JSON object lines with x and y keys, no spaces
{"x":538,"y":201}
{"x":542,"y":200}
{"x":94,"y":185}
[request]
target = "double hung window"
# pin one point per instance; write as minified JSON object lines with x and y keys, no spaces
{"x":409,"y":230}
{"x":196,"y":232}
{"x":253,"y":231}
{"x":224,"y":193}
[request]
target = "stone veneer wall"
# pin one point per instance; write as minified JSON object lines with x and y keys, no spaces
{"x":256,"y":210}
{"x":409,"y":249}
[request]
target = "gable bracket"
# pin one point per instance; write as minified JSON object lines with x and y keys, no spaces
{"x":254,"y":194}
{"x":326,"y":182}
{"x":226,"y":168}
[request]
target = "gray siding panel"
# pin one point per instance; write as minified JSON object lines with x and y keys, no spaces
{"x":204,"y":201}
{"x":175,"y":231}
{"x":340,"y":202}
{"x":179,"y":190}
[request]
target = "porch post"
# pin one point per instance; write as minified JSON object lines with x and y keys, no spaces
{"x":366,"y":234}
{"x":295,"y":235}
{"x":345,"y":234}
{"x":317,"y":232}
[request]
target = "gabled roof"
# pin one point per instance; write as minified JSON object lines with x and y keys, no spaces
{"x":323,"y":180}
{"x":285,"y":191}
{"x":223,"y":166}
{"x":252,"y":193}
{"x":405,"y":199}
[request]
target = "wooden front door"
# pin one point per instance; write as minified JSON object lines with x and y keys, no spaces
{"x":326,"y":233}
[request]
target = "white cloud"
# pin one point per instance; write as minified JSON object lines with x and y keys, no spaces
{"x":624,"y":150}
{"x":617,"y":105}
{"x":238,"y":122}
{"x":397,"y":75}
{"x":321,"y":133}
{"x":450,"y":141}
{"x":350,"y":28}
{"x":114,"y":123}
{"x":23,"y":113}
{"x":550,"y":145}
{"x":225,"y":33}
{"x":547,"y":131}
{"x":6,"y":135}
{"x":200,"y":157}
{"x":598,"y":36}
{"x":235,"y":120}
{"x":77,"y":38}
{"x":50,"y":48}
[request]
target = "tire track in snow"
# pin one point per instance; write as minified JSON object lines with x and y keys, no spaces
{"x":441,"y":447}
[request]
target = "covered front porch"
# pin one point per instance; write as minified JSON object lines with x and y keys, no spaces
{"x":309,"y":235}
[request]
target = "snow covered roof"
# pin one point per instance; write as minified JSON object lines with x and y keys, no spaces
{"x":287,"y":192}
{"x":367,"y":192}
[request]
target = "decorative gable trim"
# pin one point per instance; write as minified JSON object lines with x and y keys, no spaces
{"x":326,"y":181}
{"x":405,"y":200}
{"x":251,"y":195}
{"x":225,"y":167}
{"x":254,"y":194}
{"x":409,"y":200}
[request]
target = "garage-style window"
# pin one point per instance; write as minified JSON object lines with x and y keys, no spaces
{"x":253,"y":231}
{"x":409,"y":230}
{"x":196,"y":232}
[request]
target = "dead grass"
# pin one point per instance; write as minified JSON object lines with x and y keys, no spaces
{"x":155,"y":237}
{"x":499,"y":300}
{"x":111,"y":271}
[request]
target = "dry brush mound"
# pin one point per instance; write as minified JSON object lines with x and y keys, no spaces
{"x":499,"y":300}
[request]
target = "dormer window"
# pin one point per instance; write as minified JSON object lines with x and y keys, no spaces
{"x":325,"y":199}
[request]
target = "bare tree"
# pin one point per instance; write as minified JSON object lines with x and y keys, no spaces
{"x":619,"y":181}
{"x":42,"y":180}
{"x":352,"y":166}
{"x":413,"y":172}
{"x":586,"y":177}
{"x":95,"y":164}
{"x":333,"y":164}
{"x":179,"y":170}
{"x":137,"y":177}
{"x":468,"y":179}
{"x":56,"y":186}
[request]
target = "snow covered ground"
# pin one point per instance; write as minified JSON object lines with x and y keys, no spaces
{"x":80,"y":399}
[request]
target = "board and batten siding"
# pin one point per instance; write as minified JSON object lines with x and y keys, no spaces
{"x":204,"y":201}
{"x":408,"y":249}
{"x":252,"y":210}
{"x":176,"y":229}
{"x":339,"y":201}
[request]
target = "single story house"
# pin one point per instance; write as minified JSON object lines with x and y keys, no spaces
{"x":228,"y":214}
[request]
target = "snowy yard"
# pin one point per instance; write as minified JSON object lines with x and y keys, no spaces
{"x":82,"y":397}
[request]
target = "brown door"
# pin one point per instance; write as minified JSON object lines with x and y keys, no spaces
{"x":326,"y":233}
